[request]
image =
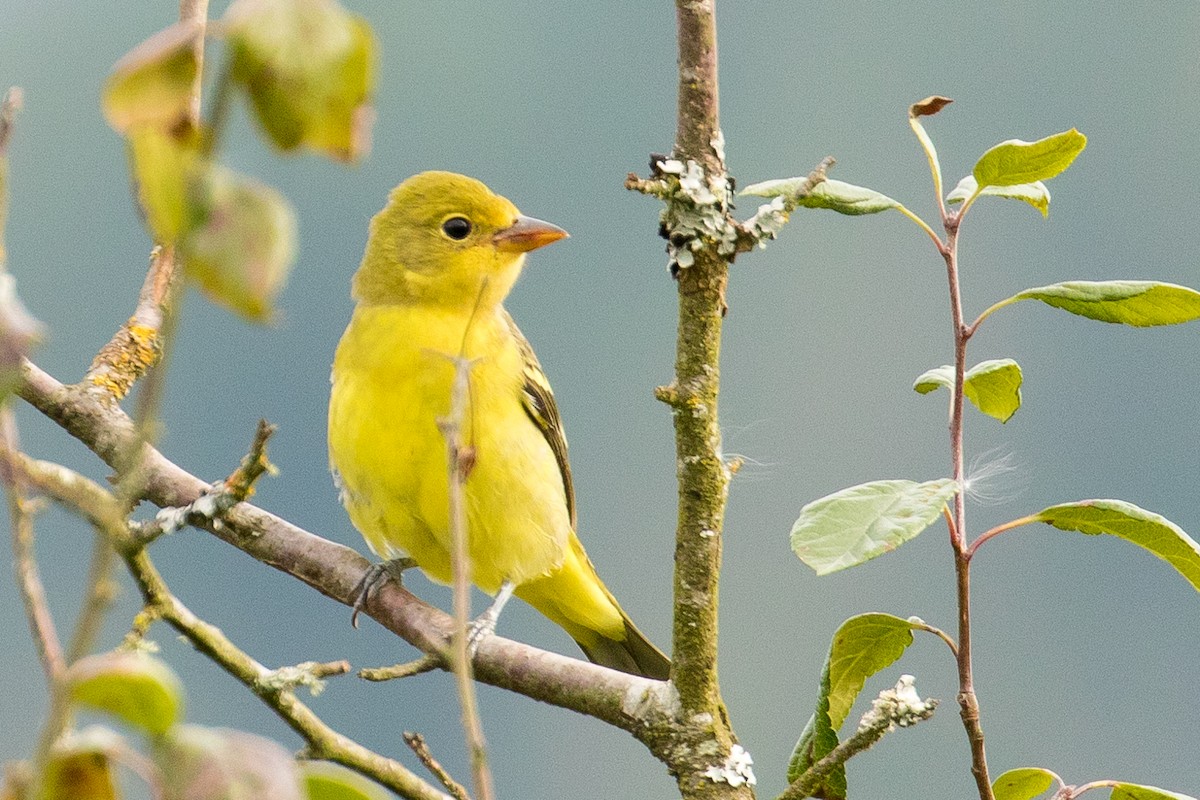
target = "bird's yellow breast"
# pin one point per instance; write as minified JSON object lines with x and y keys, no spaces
{"x":392,"y":381}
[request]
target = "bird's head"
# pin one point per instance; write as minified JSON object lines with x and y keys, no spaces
{"x":448,"y":240}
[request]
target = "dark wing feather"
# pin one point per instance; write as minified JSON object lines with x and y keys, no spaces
{"x":539,"y":404}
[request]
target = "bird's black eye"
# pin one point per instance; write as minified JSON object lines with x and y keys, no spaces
{"x":457,"y":228}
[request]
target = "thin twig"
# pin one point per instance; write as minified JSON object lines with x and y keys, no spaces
{"x":33,"y":594}
{"x":211,"y":507}
{"x":196,"y":11}
{"x":417,"y":743}
{"x":9,"y":107}
{"x":967,"y":700}
{"x":426,"y":663}
{"x":999,"y":529}
{"x":99,"y":595}
{"x":459,"y":458}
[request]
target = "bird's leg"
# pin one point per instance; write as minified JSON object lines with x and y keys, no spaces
{"x":376,"y":575}
{"x":485,"y":624}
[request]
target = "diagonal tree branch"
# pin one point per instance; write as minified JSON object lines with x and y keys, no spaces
{"x":638,"y":705}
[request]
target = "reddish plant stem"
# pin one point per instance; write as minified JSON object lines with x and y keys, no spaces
{"x":968,"y":702}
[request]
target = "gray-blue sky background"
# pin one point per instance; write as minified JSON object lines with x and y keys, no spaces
{"x":1086,"y":647}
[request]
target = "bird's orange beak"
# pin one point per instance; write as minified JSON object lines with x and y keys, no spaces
{"x":528,"y":234}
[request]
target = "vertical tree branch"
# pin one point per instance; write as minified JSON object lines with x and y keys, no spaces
{"x":702,"y":474}
{"x":703,"y":478}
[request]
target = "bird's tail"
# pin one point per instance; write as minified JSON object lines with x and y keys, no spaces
{"x":575,"y":598}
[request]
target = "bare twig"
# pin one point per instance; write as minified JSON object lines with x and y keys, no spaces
{"x":33,"y":594}
{"x":417,"y":743}
{"x":98,"y":598}
{"x":459,"y":458}
{"x":196,"y":11}
{"x":211,"y":507}
{"x":29,"y":583}
{"x":9,"y":107}
{"x":426,"y":663}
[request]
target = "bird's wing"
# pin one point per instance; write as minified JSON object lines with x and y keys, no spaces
{"x":539,"y":404}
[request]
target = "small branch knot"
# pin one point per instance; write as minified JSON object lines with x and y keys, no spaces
{"x":668,"y":394}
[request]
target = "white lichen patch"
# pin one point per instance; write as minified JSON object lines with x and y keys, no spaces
{"x":767,"y":221}
{"x":898,"y":707}
{"x":287,"y":678}
{"x":696,"y":214}
{"x":651,"y":700}
{"x":208,"y":507}
{"x":736,"y":770}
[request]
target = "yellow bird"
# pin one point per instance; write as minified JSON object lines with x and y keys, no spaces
{"x":440,"y":259}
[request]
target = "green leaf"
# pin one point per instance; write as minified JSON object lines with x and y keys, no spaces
{"x":162,"y":167}
{"x":80,"y":767}
{"x":1132,"y":791}
{"x":218,"y":764}
{"x":152,"y":84}
{"x":1015,"y":162}
{"x":1036,"y":193}
{"x":862,"y":646}
{"x":1139,"y":303}
{"x":309,"y":69}
{"x":1144,"y":528}
{"x":136,"y":688}
{"x":324,"y":780}
{"x":994,"y":387}
{"x":854,"y":525}
{"x":935,"y":378}
{"x":844,"y":198}
{"x":816,"y":741}
{"x":1023,"y":784}
{"x":239,"y":241}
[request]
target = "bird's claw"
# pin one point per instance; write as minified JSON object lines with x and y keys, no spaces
{"x":376,"y":574}
{"x":480,"y":628}
{"x":484,"y":625}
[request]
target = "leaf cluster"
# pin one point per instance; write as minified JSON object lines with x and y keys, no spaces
{"x":182,"y":761}
{"x":307,"y":69}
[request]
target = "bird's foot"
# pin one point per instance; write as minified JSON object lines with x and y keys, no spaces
{"x":374,"y":577}
{"x":484,"y":625}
